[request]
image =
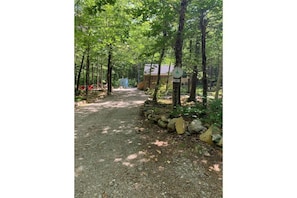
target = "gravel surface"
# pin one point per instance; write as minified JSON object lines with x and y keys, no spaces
{"x":118,"y":154}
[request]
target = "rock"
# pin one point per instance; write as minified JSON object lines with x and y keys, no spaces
{"x":164,"y":118}
{"x":196,"y":126}
{"x":162,"y":123}
{"x":216,"y":134}
{"x":216,"y":138}
{"x":180,"y":125}
{"x":207,"y":136}
{"x":220,"y":142}
{"x":148,"y":112}
{"x":112,"y":182}
{"x":171,"y":125}
{"x":206,"y":153}
{"x":153,"y":117}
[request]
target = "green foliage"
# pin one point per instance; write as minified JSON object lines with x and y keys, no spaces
{"x":162,"y":90}
{"x":79,"y":98}
{"x":215,"y":113}
{"x":136,"y":30}
{"x":132,"y":82}
{"x":189,"y":111}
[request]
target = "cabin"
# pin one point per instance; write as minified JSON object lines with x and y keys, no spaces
{"x":151,"y":75}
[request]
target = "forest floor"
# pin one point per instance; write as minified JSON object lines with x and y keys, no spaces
{"x":119,"y":154}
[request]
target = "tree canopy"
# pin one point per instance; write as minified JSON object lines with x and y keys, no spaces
{"x":115,"y":38}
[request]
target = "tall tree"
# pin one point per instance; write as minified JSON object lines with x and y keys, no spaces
{"x":194,"y":75}
{"x":218,"y":85}
{"x":88,"y":72}
{"x":178,"y":51}
{"x":159,"y":68}
{"x":79,"y":73}
{"x":203,"y":24}
{"x":109,"y":70}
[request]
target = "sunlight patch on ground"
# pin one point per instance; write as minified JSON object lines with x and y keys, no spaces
{"x":143,"y":160}
{"x":128,"y":131}
{"x":204,"y":161}
{"x":128,"y":164}
{"x":78,"y":171}
{"x":215,"y":167}
{"x":132,"y":156}
{"x":105,"y":130}
{"x":161,"y":168}
{"x":160,"y":143}
{"x":141,"y":153}
{"x":117,"y":159}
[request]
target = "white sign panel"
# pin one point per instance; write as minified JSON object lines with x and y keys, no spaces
{"x":176,"y":80}
{"x":177,"y":72}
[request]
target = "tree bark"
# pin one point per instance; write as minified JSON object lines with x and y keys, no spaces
{"x":109,"y":70}
{"x":159,"y":70}
{"x":203,"y":24}
{"x":87,"y":72}
{"x":178,"y":52}
{"x":79,"y":73}
{"x":168,"y":77}
{"x":150,"y":74}
{"x":218,"y":85}
{"x":194,"y":75}
{"x":93,"y":80}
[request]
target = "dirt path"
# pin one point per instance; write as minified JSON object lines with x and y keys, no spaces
{"x":113,"y":158}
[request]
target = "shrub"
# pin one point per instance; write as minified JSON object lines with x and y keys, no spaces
{"x":215,"y":113}
{"x":189,"y":111}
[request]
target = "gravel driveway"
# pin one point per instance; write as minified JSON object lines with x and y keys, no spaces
{"x":118,"y":155}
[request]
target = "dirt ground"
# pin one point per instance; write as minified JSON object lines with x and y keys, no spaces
{"x":119,"y":154}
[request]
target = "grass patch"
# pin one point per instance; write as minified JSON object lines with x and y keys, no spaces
{"x":79,"y":98}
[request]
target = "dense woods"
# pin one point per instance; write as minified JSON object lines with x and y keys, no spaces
{"x":114,"y":39}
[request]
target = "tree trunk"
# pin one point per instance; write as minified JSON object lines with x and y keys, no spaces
{"x":97,"y":77}
{"x":150,"y":74}
{"x":87,"y":73}
{"x":193,"y":85}
{"x":203,"y":24}
{"x":93,"y":80}
{"x":218,"y":85}
{"x":194,"y":75}
{"x":109,"y":71}
{"x":138,"y":73}
{"x":101,"y":77}
{"x":168,"y":77}
{"x":79,"y":73}
{"x":178,"y":51}
{"x":159,"y":70}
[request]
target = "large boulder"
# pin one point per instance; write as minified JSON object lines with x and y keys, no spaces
{"x":196,"y":126}
{"x":216,"y":134}
{"x":207,"y":136}
{"x":180,"y":126}
{"x":171,"y":125}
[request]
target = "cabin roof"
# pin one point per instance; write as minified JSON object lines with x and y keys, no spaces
{"x":164,"y":69}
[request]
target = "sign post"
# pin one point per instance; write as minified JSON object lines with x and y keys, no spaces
{"x":176,"y":74}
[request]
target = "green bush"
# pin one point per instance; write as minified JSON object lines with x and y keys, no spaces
{"x":132,"y":83}
{"x":215,"y":112}
{"x":213,"y":115}
{"x":189,"y":111}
